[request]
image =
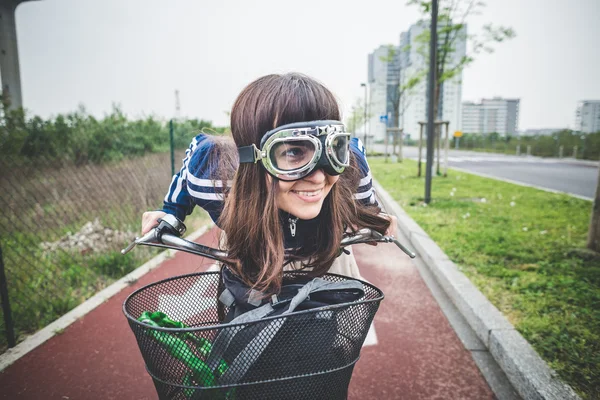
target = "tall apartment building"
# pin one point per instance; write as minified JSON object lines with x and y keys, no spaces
{"x":383,"y":81}
{"x":491,"y":115}
{"x":412,"y":60}
{"x":587,"y":116}
{"x":408,"y":60}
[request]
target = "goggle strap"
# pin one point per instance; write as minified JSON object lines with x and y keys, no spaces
{"x":249,"y":154}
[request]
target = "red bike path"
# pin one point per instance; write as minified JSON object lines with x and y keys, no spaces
{"x":417,"y":355}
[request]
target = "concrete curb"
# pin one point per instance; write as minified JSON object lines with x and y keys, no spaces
{"x":526,"y":371}
{"x":56,"y":327}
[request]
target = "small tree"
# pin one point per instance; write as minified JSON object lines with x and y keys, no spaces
{"x":593,"y":242}
{"x":451,"y":27}
{"x":356,"y":119}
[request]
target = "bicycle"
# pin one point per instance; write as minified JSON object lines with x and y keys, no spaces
{"x":302,"y":344}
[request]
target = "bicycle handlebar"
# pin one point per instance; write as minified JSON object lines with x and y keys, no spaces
{"x":169,"y":230}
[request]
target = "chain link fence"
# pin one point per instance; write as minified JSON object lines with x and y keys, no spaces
{"x":61,"y":229}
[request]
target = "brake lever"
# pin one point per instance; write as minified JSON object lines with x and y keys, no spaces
{"x":168,"y":224}
{"x":150,"y":237}
{"x":367,"y":235}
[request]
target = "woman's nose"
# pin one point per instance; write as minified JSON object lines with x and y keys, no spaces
{"x":318,"y":176}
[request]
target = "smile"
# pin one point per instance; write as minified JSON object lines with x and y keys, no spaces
{"x":308,"y":194}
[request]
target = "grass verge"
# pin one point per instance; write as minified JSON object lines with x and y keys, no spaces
{"x":524,"y":249}
{"x":42,"y":286}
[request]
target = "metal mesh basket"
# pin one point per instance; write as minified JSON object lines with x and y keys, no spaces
{"x":310,"y":354}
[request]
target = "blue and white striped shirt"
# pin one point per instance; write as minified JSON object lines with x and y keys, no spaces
{"x":196,"y":184}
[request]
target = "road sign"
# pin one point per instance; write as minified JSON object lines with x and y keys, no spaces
{"x":383,"y":118}
{"x":457,"y":134}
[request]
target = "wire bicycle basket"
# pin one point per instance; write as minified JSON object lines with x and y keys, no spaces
{"x":311,"y":356}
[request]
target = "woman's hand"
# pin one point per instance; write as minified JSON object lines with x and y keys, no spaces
{"x":150,"y":220}
{"x":391,"y":230}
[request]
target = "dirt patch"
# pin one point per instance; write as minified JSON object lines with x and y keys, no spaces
{"x":93,"y":237}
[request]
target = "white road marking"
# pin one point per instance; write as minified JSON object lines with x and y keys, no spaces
{"x":371,"y":339}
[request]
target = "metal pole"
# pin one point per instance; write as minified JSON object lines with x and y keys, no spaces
{"x":430,"y":100}
{"x":365,"y":121}
{"x":386,"y":146}
{"x":438,"y":138}
{"x":400,"y":144}
{"x":446,"y":145}
{"x":172,"y":147}
{"x":9,"y":55}
{"x":420,"y":146}
{"x":10,"y":329}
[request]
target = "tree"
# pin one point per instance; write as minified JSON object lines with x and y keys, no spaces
{"x":593,"y":242}
{"x":356,"y":119}
{"x":451,"y":28}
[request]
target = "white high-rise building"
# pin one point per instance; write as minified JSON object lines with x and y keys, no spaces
{"x":491,"y":115}
{"x":383,"y":78}
{"x":414,"y":59}
{"x":587,"y":116}
{"x":407,"y":61}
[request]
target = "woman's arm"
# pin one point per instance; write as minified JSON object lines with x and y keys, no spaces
{"x":365,"y":193}
{"x":193,"y":185}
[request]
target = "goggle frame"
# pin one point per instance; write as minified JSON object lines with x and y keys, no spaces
{"x":299,"y":131}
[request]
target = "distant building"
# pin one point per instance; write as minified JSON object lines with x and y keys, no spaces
{"x":387,"y":73}
{"x":383,"y":78}
{"x":412,"y":61}
{"x":587,"y":116}
{"x":491,"y":115}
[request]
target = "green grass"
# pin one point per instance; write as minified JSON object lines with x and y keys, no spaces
{"x":523,"y":248}
{"x":43,"y":286}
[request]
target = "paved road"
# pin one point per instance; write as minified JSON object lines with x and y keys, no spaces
{"x":414,"y":353}
{"x":565,"y":175}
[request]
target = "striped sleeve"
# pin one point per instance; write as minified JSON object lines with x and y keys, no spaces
{"x":365,"y":193}
{"x":195,"y":183}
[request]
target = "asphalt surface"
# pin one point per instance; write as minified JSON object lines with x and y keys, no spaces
{"x":565,"y":175}
{"x":414,"y":353}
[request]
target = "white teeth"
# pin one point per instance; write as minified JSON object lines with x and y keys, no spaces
{"x":308,"y":194}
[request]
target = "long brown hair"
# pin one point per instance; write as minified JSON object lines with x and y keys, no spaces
{"x":251,"y":217}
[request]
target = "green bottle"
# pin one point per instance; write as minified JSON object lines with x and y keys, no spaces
{"x":179,"y":349}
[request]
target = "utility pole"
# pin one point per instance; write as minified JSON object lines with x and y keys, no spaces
{"x":431,"y":100}
{"x":9,"y":55}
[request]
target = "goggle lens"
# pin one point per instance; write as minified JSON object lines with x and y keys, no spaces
{"x":292,"y":155}
{"x":340,"y":149}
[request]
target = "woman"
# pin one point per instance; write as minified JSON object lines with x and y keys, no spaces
{"x":288,"y":201}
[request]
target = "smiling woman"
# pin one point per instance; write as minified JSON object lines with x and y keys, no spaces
{"x":288,"y":188}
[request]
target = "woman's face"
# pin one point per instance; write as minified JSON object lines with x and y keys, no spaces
{"x":304,"y":198}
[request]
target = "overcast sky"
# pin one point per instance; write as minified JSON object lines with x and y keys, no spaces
{"x":137,"y":52}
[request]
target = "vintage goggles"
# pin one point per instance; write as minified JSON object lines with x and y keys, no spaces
{"x":293,"y":151}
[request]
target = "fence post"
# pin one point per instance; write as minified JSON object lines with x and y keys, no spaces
{"x":172,"y":147}
{"x":518,"y":149}
{"x":10,"y":329}
{"x":574,"y":151}
{"x":528,"y":149}
{"x":560,"y":151}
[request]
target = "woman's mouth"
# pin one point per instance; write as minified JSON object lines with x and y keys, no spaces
{"x":308,"y":196}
